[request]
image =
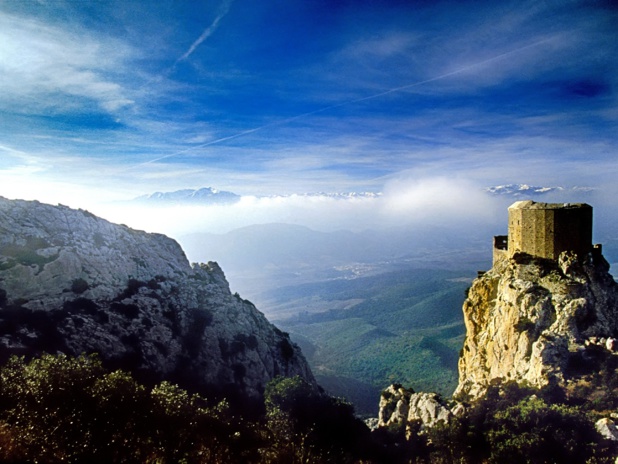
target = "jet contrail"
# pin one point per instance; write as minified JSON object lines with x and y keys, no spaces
{"x":338,"y":105}
{"x":225,"y":8}
{"x":207,"y":32}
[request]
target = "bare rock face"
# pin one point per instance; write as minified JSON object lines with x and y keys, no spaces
{"x":394,"y":406}
{"x":607,"y":428}
{"x":537,"y":321}
{"x":400,"y":406}
{"x":428,"y":408}
{"x":71,"y":282}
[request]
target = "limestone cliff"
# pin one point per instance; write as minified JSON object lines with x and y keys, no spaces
{"x":400,"y":407}
{"x":536,"y":320}
{"x":71,"y":282}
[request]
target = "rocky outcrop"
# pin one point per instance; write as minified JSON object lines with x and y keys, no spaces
{"x":71,"y":282}
{"x":607,"y":428}
{"x":400,"y":407}
{"x":537,"y":321}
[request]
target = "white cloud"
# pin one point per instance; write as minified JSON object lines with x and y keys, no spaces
{"x":438,"y":200}
{"x":41,"y":65}
{"x":420,"y":202}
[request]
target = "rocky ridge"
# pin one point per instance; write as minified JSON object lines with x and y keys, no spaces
{"x":72,"y":282}
{"x":537,"y":321}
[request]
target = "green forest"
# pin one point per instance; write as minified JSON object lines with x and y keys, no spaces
{"x":404,"y":326}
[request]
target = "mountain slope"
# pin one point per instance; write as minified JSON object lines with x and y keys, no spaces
{"x":71,"y":282}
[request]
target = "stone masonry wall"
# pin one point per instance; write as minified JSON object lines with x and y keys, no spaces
{"x":545,"y":230}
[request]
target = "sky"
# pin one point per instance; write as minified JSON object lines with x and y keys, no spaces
{"x":425,"y":101}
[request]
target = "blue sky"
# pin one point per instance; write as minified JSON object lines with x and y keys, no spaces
{"x":108,"y":100}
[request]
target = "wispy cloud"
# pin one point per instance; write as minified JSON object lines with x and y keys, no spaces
{"x":43,"y":67}
{"x":385,"y":93}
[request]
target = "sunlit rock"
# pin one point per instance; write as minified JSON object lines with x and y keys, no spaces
{"x":71,"y":282}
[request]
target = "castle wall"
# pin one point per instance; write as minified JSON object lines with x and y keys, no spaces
{"x":500,"y":250}
{"x":547,"y":229}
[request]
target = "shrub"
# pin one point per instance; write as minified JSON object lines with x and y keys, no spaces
{"x":305,"y":425}
{"x":58,"y":408}
{"x":79,"y":286}
{"x":533,"y":432}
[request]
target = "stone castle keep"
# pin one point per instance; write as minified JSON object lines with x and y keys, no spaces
{"x":544,"y":230}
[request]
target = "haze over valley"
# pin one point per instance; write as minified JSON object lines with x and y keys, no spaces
{"x":369,"y":304}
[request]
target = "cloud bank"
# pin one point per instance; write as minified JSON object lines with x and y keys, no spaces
{"x":417,"y":203}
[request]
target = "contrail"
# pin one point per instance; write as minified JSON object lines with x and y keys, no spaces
{"x":224,"y":10}
{"x":437,"y":78}
{"x":207,"y":32}
{"x":346,"y":103}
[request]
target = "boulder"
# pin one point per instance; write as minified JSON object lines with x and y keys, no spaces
{"x":607,"y":428}
{"x":400,"y":406}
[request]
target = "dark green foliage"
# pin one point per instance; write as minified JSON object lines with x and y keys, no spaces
{"x":447,"y":356}
{"x":514,"y":424}
{"x":286,"y":349}
{"x":133,"y":286}
{"x":510,"y":424}
{"x":170,"y":312}
{"x":199,"y":320}
{"x":79,"y":286}
{"x":153,"y":284}
{"x":597,"y":391}
{"x":57,"y":409}
{"x":130,"y":311}
{"x":239,"y":372}
{"x":82,"y":305}
{"x":240,"y":343}
{"x":586,"y":362}
{"x":250,"y":341}
{"x":14,"y":318}
{"x":532,"y":431}
{"x":62,"y":409}
{"x":224,"y":348}
{"x":306,"y":426}
{"x":146,"y":322}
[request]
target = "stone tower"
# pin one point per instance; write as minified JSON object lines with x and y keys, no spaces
{"x":544,"y":230}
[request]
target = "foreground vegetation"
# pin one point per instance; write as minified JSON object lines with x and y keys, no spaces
{"x":62,"y":409}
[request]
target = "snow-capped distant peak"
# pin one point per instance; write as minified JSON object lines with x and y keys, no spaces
{"x":521,"y":190}
{"x":343,"y":195}
{"x":206,"y":195}
{"x":209,"y":195}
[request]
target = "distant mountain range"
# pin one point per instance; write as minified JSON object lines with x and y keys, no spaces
{"x":525,"y":190}
{"x":205,"y":195}
{"x":210,"y":196}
